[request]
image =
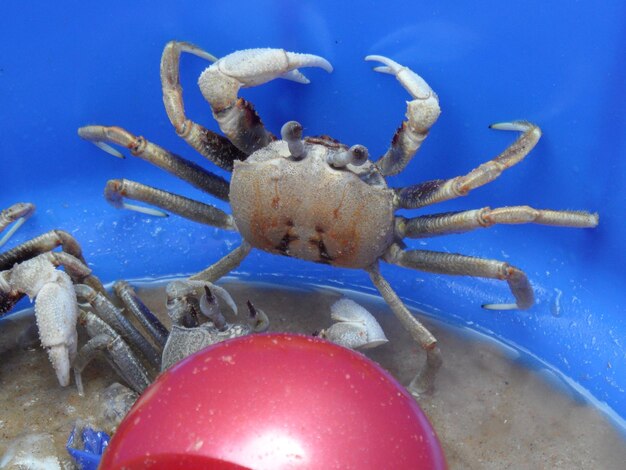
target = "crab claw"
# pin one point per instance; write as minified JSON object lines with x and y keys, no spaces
{"x":221,"y":81}
{"x":412,"y":82}
{"x":422,"y":112}
{"x":56,"y":312}
{"x":60,"y":358}
{"x":355,"y":327}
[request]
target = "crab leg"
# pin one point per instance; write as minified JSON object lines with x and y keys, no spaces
{"x":14,"y":285}
{"x":17,"y":213}
{"x":105,"y":339}
{"x":464,"y":221}
{"x":42,"y":244}
{"x":140,"y":147}
{"x":243,"y":126}
{"x":225,"y":265}
{"x":113,"y":316}
{"x":8,"y":296}
{"x":422,"y":112}
{"x":147,"y":319}
{"x":77,"y":269}
{"x":75,"y":266}
{"x":221,"y":81}
{"x":424,"y":379}
{"x":461,"y":265}
{"x":116,"y":190}
{"x":214,"y":147}
{"x":432,"y":192}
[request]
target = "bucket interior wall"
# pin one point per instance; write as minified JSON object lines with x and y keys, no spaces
{"x":558,"y":64}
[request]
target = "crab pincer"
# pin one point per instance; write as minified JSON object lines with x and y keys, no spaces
{"x":56,"y":311}
{"x":220,"y":82}
{"x":355,"y":327}
{"x":185,"y":300}
{"x":422,"y":112}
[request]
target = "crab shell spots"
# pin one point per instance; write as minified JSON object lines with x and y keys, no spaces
{"x":306,"y":209}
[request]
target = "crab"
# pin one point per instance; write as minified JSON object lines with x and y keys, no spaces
{"x":187,"y":302}
{"x":276,"y":183}
{"x":64,"y":299}
{"x":138,"y":358}
{"x":30,"y":269}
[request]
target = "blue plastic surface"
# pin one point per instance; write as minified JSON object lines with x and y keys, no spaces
{"x":560,"y":64}
{"x":94,"y":444}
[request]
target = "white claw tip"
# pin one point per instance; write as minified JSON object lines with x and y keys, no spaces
{"x":108,"y":149}
{"x":520,"y":126}
{"x":297,"y":60}
{"x":383,"y":69}
{"x":60,"y":359}
{"x":412,"y":82}
{"x":296,"y":76}
{"x":18,"y":223}
{"x":390,"y":66}
{"x":144,"y":210}
{"x":193,"y":49}
{"x":500,"y":307}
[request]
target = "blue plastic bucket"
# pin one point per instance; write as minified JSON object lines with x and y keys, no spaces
{"x":559,"y":64}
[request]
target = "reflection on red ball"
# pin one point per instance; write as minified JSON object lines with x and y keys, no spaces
{"x":275,"y":401}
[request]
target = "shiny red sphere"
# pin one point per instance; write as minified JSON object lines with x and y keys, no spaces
{"x":275,"y":401}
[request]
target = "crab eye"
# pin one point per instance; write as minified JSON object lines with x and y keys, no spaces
{"x":355,"y":155}
{"x":291,"y":132}
{"x":211,"y":309}
{"x":359,"y":154}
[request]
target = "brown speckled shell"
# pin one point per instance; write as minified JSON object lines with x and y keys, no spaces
{"x":309,"y":210}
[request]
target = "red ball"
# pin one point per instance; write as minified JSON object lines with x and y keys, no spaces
{"x":275,"y":401}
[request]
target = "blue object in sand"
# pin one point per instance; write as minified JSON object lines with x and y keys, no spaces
{"x":94,"y":443}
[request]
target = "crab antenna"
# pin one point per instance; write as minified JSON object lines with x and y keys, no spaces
{"x":291,"y":132}
{"x":356,"y":155}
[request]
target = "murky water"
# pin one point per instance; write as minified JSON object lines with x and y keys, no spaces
{"x":488,"y":410}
